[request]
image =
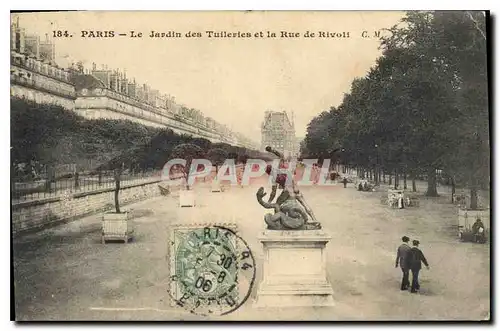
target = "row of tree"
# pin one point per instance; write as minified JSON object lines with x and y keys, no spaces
{"x":49,"y":135}
{"x":167,"y":145}
{"x":422,"y":107}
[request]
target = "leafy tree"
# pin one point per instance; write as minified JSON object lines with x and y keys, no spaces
{"x":422,"y":107}
{"x":217,"y":156}
{"x":188,"y":152}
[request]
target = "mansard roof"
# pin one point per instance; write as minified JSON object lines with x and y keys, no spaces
{"x":276,"y":117}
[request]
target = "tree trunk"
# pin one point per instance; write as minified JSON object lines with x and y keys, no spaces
{"x":453,"y":190}
{"x":396,"y":180}
{"x":77,"y":180}
{"x":404,"y":181}
{"x":117,"y":191}
{"x":413,"y":184}
{"x":390,"y":179}
{"x":473,"y":198}
{"x":431,"y":183}
{"x":384,"y":178}
{"x":50,"y":179}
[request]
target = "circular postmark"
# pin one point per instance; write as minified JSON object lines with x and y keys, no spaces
{"x":212,"y":269}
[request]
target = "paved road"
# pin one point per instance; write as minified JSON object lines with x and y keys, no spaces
{"x":67,"y":274}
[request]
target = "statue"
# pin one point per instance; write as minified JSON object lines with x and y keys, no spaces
{"x":291,"y":212}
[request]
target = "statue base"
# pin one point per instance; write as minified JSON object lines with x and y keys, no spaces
{"x":294,"y":272}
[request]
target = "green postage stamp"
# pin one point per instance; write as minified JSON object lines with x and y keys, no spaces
{"x":212,"y":269}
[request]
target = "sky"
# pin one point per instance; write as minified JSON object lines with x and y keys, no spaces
{"x":233,"y":80}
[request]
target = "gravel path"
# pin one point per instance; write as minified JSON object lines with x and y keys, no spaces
{"x":65,"y":273}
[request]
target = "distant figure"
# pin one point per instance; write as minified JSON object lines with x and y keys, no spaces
{"x":402,"y":259}
{"x":316,"y":173}
{"x":401,"y":201}
{"x":478,"y":231}
{"x":416,"y":257}
{"x":360,"y":187}
{"x":345,"y":182}
{"x":365,"y":185}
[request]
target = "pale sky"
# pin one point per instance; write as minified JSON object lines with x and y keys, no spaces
{"x":233,"y":80}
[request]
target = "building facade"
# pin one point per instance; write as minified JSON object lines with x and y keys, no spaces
{"x":103,"y":93}
{"x":37,"y":78}
{"x":278,"y":131}
{"x":104,"y":98}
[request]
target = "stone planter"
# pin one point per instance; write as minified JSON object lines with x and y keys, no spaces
{"x":294,"y":271}
{"x":117,"y":227}
{"x":186,"y":198}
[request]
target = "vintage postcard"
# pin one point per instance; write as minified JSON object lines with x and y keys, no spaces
{"x":250,"y":166}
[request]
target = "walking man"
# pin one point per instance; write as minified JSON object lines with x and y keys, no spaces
{"x":345,"y":182}
{"x":402,"y":260}
{"x":417,"y":257}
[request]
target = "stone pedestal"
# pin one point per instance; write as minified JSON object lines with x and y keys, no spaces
{"x":294,"y":272}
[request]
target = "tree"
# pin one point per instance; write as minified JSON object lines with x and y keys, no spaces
{"x":217,"y":156}
{"x":423,"y":104}
{"x":187,"y":152}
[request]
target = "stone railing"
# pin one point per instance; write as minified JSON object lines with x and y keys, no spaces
{"x":38,"y":84}
{"x":174,"y":120}
{"x":38,"y":66}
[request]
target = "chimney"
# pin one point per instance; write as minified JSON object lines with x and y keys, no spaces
{"x":93,"y":66}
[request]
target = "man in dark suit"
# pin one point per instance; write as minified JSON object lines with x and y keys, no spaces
{"x":402,"y":259}
{"x":416,"y":259}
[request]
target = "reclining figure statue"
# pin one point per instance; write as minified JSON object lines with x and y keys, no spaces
{"x":290,"y":209}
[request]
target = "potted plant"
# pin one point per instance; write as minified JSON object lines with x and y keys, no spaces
{"x":117,"y":225}
{"x":187,"y":152}
{"x":217,"y":156}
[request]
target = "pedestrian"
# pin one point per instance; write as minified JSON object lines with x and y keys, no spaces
{"x":345,"y":182}
{"x":402,"y":259}
{"x":401,"y":201}
{"x":478,"y":231}
{"x":416,"y":260}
